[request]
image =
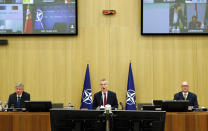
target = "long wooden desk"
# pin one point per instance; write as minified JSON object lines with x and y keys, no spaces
{"x":28,"y":121}
{"x":186,"y":121}
{"x":25,"y":121}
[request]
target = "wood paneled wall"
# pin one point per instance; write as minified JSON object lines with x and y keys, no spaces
{"x":53,"y":67}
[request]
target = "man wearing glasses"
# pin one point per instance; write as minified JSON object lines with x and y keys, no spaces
{"x":185,"y":94}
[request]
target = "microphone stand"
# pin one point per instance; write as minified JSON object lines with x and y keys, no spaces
{"x":122,"y":107}
{"x":107,"y":121}
{"x":108,"y":115}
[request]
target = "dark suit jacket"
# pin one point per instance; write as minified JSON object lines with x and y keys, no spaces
{"x":191,"y":97}
{"x":111,"y":99}
{"x":13,"y":99}
{"x":194,"y":26}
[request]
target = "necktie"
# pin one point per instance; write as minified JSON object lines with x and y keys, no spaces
{"x":18,"y":102}
{"x":185,"y":96}
{"x":105,"y":99}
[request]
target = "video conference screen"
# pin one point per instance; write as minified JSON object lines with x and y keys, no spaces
{"x":174,"y":16}
{"x":38,"y":17}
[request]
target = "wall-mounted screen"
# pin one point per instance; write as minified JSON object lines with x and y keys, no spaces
{"x":38,"y":17}
{"x":174,"y":16}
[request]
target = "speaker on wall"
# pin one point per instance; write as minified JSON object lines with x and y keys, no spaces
{"x":3,"y":42}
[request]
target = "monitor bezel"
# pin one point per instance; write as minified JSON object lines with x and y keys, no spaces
{"x":50,"y":34}
{"x":166,"y":104}
{"x":165,"y":34}
{"x":31,"y":106}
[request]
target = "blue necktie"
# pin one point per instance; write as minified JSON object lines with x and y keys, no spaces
{"x":18,"y":102}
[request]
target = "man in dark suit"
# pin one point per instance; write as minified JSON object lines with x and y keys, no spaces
{"x":17,"y":99}
{"x":105,"y":96}
{"x":187,"y":95}
{"x":194,"y":24}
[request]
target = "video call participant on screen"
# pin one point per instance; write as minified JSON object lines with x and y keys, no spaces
{"x":104,"y":96}
{"x":176,"y":16}
{"x":194,"y":24}
{"x":18,"y":97}
{"x":185,"y":94}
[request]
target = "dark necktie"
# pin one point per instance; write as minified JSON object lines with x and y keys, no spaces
{"x":105,"y":99}
{"x":18,"y":102}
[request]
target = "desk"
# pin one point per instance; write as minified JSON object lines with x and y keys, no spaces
{"x":40,"y":121}
{"x":186,"y":121}
{"x":25,"y":121}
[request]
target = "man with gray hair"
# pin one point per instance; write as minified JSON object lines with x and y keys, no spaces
{"x":18,"y":98}
{"x":104,"y":96}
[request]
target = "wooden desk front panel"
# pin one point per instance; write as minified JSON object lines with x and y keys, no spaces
{"x":25,"y":121}
{"x":186,"y":121}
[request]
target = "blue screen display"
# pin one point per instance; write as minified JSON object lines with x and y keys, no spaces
{"x":174,"y":17}
{"x":38,"y":17}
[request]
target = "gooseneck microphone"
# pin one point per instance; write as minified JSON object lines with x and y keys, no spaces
{"x":122,"y":107}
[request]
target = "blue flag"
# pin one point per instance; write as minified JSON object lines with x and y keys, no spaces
{"x":86,"y":100}
{"x":131,"y":96}
{"x":38,"y":19}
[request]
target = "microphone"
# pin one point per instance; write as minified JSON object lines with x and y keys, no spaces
{"x":100,"y":106}
{"x":122,"y":107}
{"x":101,"y":101}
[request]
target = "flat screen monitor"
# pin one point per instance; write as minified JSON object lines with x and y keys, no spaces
{"x":140,"y":105}
{"x":26,"y":17}
{"x":174,"y":17}
{"x":157,"y":102}
{"x":175,"y":105}
{"x":38,"y":106}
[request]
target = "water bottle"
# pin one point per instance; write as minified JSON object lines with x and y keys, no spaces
{"x":1,"y":109}
{"x":69,"y":105}
{"x":6,"y":106}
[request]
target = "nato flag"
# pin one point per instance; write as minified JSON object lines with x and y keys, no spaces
{"x":86,"y":100}
{"x":38,"y":20}
{"x":131,"y":96}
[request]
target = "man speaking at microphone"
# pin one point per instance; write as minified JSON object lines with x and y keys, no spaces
{"x":104,"y":96}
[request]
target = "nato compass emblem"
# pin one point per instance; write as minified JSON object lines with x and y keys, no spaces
{"x":131,"y":97}
{"x":39,"y":17}
{"x":87,"y":96}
